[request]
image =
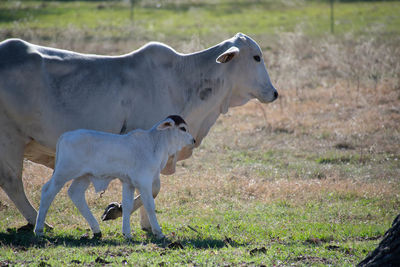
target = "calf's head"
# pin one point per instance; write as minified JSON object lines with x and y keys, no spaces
{"x":177,"y":130}
{"x":245,"y":66}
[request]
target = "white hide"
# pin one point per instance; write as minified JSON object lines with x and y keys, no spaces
{"x":136,"y":158}
{"x":45,"y":92}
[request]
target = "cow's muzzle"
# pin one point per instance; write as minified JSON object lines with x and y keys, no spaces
{"x":271,"y":96}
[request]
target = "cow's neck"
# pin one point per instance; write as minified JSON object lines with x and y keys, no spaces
{"x":208,"y":89}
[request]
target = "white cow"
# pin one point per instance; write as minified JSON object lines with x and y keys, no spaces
{"x":136,"y":158}
{"x":45,"y":92}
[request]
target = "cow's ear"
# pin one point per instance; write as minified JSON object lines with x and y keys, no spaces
{"x":168,"y":123}
{"x":228,"y":55}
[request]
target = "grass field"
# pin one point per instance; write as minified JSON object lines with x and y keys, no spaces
{"x":311,"y":179}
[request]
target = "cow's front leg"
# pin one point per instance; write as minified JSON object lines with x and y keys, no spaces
{"x":144,"y":218}
{"x":12,"y":146}
{"x":128,"y":192}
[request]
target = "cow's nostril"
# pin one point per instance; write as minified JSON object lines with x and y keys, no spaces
{"x":194,"y":141}
{"x":276,"y":94}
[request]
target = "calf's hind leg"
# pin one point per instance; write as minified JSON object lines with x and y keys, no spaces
{"x":49,"y":191}
{"x":76,"y":192}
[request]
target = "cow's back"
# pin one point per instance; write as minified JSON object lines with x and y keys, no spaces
{"x":48,"y":91}
{"x":17,"y":60}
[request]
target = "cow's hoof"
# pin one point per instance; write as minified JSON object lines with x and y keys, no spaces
{"x":26,"y":228}
{"x":112,"y":212}
{"x":97,"y":235}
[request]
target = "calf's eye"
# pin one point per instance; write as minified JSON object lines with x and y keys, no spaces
{"x":257,"y":58}
{"x":182,"y":129}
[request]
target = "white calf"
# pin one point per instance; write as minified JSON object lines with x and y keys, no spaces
{"x":136,"y":158}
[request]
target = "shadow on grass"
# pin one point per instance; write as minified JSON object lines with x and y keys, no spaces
{"x":27,"y":239}
{"x":24,"y":240}
{"x":196,"y":242}
{"x":199,"y":243}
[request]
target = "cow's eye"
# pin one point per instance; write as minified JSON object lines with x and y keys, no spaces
{"x":182,"y":129}
{"x":257,"y":58}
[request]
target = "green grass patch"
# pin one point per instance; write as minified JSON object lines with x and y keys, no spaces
{"x":182,"y":20}
{"x":342,"y":159}
{"x":335,"y":231}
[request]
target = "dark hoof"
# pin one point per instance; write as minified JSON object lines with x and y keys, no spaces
{"x":97,"y":235}
{"x":112,"y":212}
{"x":147,"y":230}
{"x":26,"y":228}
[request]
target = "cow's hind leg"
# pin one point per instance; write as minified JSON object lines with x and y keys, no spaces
{"x":11,"y":159}
{"x":77,"y":194}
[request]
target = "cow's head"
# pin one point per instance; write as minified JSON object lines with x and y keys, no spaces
{"x":244,"y":62}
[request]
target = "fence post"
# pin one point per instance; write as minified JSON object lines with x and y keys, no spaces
{"x":131,"y":11}
{"x":332,"y":18}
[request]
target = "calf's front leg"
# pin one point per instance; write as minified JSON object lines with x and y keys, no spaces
{"x":113,"y":210}
{"x":144,"y":219}
{"x":128,"y":191}
{"x":148,"y":203}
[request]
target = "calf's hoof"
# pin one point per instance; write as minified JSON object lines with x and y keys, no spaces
{"x":112,"y":211}
{"x":159,"y":236}
{"x":97,"y":235}
{"x":128,"y":236}
{"x":39,"y":233}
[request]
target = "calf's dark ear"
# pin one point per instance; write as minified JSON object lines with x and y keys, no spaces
{"x":228,"y":55}
{"x":168,"y":123}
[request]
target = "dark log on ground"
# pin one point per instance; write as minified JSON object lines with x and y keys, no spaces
{"x":388,"y":251}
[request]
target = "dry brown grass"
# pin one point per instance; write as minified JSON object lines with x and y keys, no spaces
{"x":210,"y":187}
